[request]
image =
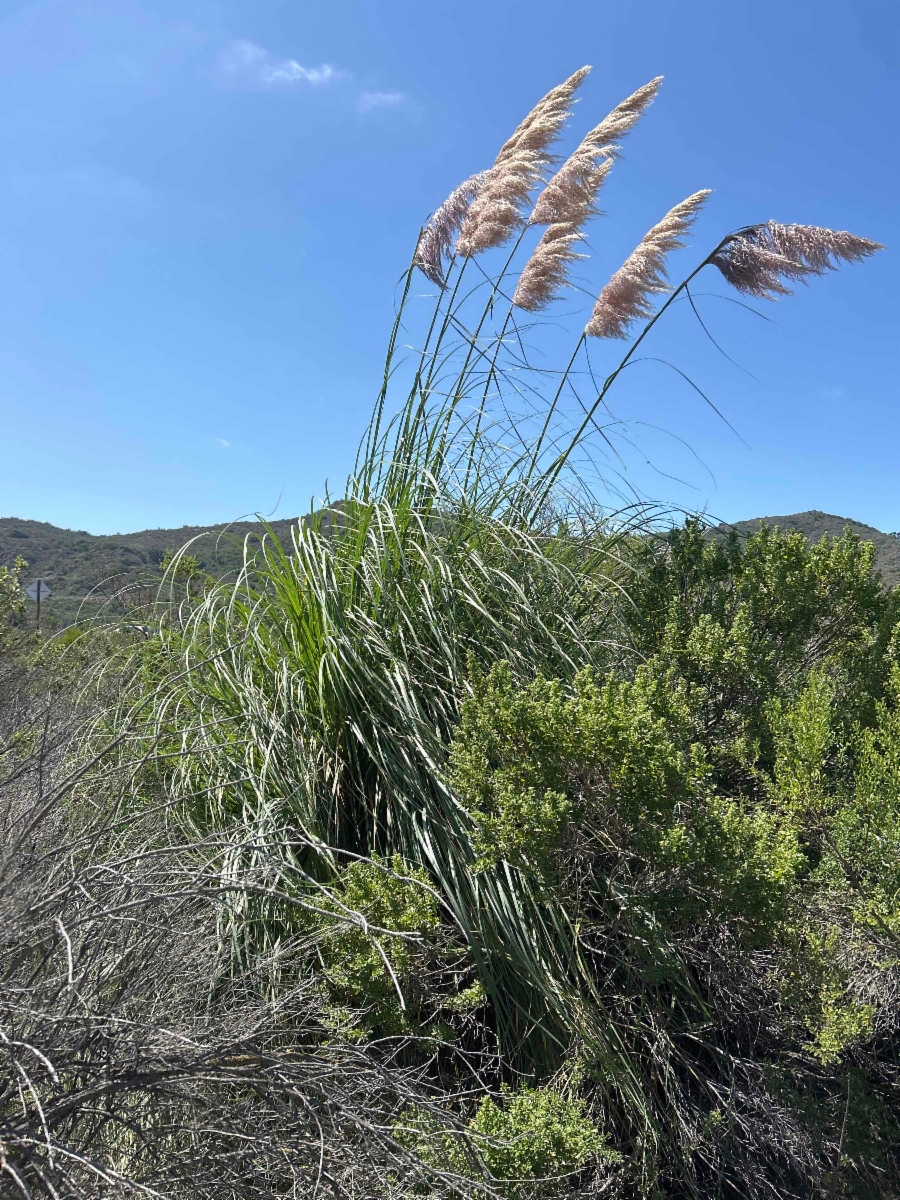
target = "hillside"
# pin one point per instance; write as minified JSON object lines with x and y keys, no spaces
{"x":87,"y":571}
{"x":815,"y":525}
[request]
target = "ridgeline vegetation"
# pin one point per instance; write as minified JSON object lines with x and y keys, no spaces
{"x":464,"y":838}
{"x":97,"y":577}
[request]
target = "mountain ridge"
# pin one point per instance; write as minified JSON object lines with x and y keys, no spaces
{"x":86,"y":570}
{"x":814,"y":524}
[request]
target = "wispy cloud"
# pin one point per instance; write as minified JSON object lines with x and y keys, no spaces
{"x":246,"y":63}
{"x":222,"y":442}
{"x":369,"y":101}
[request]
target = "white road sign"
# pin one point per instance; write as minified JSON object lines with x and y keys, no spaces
{"x":32,"y":589}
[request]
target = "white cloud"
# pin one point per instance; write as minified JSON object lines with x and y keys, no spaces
{"x":248,"y":63}
{"x":222,"y":442}
{"x":290,"y":71}
{"x":372,"y":100}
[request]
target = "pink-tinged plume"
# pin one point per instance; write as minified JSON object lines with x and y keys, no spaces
{"x":759,"y":259}
{"x":496,"y":212}
{"x":547,"y":271}
{"x":626,"y":298}
{"x":437,"y":236}
{"x":570,"y":199}
{"x":577,"y":180}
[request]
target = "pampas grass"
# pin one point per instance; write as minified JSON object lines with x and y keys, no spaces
{"x":570,"y":199}
{"x":547,"y":271}
{"x":318,"y":694}
{"x":577,"y":177}
{"x":436,"y":239}
{"x":496,"y":212}
{"x":626,"y":298}
{"x":759,"y":259}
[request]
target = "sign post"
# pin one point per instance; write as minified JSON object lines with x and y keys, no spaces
{"x":37,"y":591}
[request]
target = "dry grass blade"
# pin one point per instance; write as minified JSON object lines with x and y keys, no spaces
{"x":759,"y":259}
{"x":133,"y":1063}
{"x":626,"y":298}
{"x":496,"y":212}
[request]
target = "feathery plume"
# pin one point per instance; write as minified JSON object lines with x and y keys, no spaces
{"x":548,"y":268}
{"x":570,"y":199}
{"x":571,"y":194}
{"x":496,"y":212}
{"x":624,"y":117}
{"x":577,"y":178}
{"x":443,"y":225}
{"x":626,"y":298}
{"x":759,"y":259}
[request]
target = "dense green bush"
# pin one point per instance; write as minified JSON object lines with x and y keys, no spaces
{"x":739,"y":787}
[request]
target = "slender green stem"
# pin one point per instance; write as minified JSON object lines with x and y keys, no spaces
{"x":459,"y":389}
{"x":552,"y":474}
{"x":552,"y":409}
{"x":364,"y":457}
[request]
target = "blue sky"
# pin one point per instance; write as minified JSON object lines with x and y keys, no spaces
{"x":205,"y":206}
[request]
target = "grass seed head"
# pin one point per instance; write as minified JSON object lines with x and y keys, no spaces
{"x":437,"y":237}
{"x":496,"y":212}
{"x":626,"y":298}
{"x":580,"y":177}
{"x":760,"y":259}
{"x":548,"y":268}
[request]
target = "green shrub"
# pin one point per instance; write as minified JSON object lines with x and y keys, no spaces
{"x":535,"y":1134}
{"x":614,"y":765}
{"x":12,"y":602}
{"x":374,"y":949}
{"x":814,"y":982}
{"x":531,"y":1144}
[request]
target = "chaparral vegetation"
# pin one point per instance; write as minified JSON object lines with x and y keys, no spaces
{"x":477,"y":841}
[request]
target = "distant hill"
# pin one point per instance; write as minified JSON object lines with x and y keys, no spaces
{"x":87,"y":571}
{"x":815,"y":525}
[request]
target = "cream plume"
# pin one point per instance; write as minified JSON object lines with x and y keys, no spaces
{"x":626,"y":298}
{"x":578,"y":175}
{"x":757,"y":260}
{"x":443,"y":225}
{"x":548,"y":268}
{"x":496,"y":212}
